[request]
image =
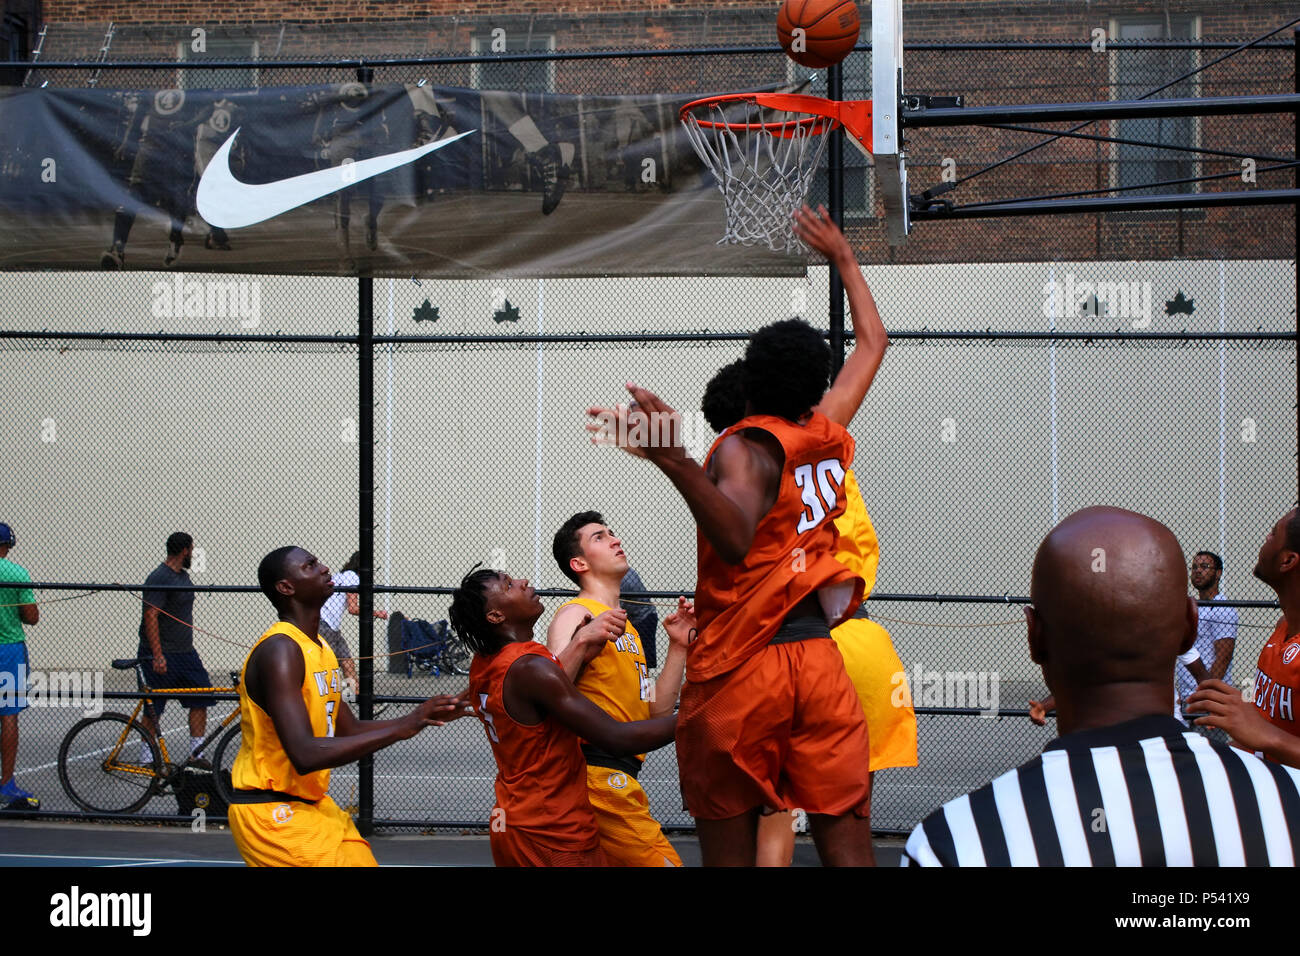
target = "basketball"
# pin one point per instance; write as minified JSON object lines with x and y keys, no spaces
{"x":817,"y":33}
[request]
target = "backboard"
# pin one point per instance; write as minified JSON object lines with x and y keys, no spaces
{"x":886,"y":102}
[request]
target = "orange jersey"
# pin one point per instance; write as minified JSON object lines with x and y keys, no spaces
{"x":541,"y":784}
{"x":616,"y":680}
{"x":262,"y":763}
{"x":1277,"y":678}
{"x":741,"y":606}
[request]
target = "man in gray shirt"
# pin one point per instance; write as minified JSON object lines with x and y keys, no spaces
{"x":167,"y":640}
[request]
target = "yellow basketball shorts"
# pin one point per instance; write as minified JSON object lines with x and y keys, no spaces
{"x":628,"y":834}
{"x":298,"y":834}
{"x":878,"y":677}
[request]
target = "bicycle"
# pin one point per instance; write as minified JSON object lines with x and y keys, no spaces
{"x":429,"y":647}
{"x":113,"y":764}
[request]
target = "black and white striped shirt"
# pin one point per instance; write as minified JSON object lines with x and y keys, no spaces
{"x":1146,"y":792}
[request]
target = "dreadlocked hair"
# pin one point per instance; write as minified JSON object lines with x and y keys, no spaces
{"x":468,"y":611}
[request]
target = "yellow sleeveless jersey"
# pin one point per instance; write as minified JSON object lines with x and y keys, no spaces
{"x":858,"y":548}
{"x":262,"y":763}
{"x":617,"y":680}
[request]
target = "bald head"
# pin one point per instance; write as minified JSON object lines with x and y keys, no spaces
{"x":1110,"y":604}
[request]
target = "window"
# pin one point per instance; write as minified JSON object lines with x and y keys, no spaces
{"x":13,"y":46}
{"x":219,"y":48}
{"x":858,"y":173}
{"x":1134,"y":72}
{"x":518,"y":76}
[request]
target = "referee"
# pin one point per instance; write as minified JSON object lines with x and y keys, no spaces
{"x":1125,"y":784}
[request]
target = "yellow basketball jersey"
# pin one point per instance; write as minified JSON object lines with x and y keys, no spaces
{"x":617,"y":680}
{"x":858,"y":547}
{"x":262,"y":763}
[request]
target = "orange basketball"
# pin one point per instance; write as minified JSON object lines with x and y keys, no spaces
{"x":817,"y":33}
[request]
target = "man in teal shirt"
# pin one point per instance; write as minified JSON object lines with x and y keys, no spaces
{"x":17,"y":607}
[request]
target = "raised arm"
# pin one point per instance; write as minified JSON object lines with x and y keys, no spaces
{"x":537,"y":684}
{"x":681,"y":627}
{"x":848,"y":390}
{"x":275,"y":674}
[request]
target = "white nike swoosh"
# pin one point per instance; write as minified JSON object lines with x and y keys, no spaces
{"x":225,"y":202}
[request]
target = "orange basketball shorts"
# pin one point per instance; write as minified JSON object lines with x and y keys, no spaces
{"x":783,"y":730}
{"x":513,"y":847}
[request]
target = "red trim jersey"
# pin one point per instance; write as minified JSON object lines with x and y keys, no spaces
{"x":541,"y":783}
{"x":1277,"y":677}
{"x":741,"y":606}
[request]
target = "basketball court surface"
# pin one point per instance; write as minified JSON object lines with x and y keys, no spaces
{"x":29,"y":844}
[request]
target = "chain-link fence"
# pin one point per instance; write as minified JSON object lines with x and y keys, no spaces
{"x":1037,"y":366}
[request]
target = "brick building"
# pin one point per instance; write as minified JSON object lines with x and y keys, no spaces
{"x":1088,"y":66}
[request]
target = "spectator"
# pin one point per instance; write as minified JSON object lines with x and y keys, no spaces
{"x":1266,"y":721}
{"x":1216,"y":633}
{"x":167,"y":642}
{"x":643,"y":616}
{"x":17,"y":607}
{"x":1124,"y":784}
{"x":331,"y":616}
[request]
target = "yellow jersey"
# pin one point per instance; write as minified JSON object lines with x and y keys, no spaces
{"x":262,"y":763}
{"x":617,"y":679}
{"x":858,"y":547}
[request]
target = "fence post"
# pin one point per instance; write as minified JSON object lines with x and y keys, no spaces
{"x":1296,"y":265}
{"x":835,"y":205}
{"x":366,"y":516}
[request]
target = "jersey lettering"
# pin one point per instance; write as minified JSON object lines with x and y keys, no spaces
{"x":627,"y":643}
{"x":812,"y":480}
{"x":327,"y":681}
{"x":647,"y":685}
{"x":329,"y":717}
{"x":487,"y":718}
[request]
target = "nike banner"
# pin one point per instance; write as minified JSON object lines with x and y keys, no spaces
{"x":356,"y":179}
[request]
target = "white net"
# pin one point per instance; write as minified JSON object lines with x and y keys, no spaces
{"x":764,"y":162}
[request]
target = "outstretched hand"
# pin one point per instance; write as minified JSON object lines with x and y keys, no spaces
{"x":818,"y":231}
{"x":647,"y":428}
{"x":1038,"y":713}
{"x":442,"y":709}
{"x":681,"y":624}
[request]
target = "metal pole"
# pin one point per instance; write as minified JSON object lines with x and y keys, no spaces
{"x":366,"y":522}
{"x":1056,"y":207}
{"x":835,"y":205}
{"x":1105,"y":109}
{"x":1296,"y":265}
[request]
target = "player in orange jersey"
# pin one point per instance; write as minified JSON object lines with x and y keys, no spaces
{"x":768,"y":716}
{"x":1266,"y":721}
{"x":534,"y":717}
{"x":296,"y":726}
{"x":869,"y":656}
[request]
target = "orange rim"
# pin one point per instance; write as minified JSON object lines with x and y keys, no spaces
{"x":821,"y":115}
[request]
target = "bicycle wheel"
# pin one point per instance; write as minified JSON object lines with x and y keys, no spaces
{"x":456,"y":658}
{"x":223,"y":760}
{"x":108,"y":764}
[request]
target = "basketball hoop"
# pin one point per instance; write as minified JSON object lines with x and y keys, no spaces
{"x":764,"y":150}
